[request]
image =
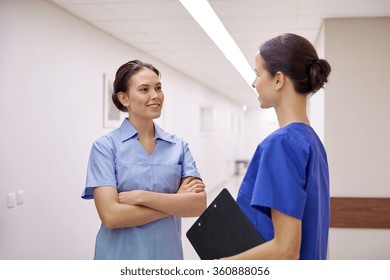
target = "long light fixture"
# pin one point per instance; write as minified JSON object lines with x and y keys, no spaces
{"x":205,"y":16}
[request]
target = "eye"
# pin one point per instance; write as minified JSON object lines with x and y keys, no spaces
{"x":159,"y":88}
{"x":144,"y":90}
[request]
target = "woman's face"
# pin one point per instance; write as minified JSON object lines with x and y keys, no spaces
{"x":264,"y":84}
{"x":145,"y":96}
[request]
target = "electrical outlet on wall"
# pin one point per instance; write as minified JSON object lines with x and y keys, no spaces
{"x":15,"y":198}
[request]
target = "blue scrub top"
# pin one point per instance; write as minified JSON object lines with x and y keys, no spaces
{"x":119,"y":160}
{"x":289,"y":173}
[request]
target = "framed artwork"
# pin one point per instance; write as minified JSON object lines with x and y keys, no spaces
{"x":112,"y":117}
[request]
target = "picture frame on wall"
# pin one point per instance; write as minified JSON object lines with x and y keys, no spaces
{"x":112,"y":117}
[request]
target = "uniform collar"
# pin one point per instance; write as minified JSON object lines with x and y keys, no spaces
{"x":161,"y":134}
{"x":127,"y":131}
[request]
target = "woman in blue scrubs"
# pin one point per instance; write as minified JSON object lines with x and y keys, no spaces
{"x":142,"y":178}
{"x":285,"y":192}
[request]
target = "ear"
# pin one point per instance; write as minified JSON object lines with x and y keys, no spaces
{"x":124,"y":98}
{"x":279,"y":80}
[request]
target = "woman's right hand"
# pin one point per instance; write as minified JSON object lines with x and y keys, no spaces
{"x":191,"y":185}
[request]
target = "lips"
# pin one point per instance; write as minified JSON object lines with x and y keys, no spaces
{"x":154,"y":105}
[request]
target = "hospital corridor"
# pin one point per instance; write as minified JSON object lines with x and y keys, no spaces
{"x":58,"y":63}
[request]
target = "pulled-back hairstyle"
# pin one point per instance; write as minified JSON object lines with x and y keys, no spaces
{"x":123,"y":76}
{"x":295,"y":57}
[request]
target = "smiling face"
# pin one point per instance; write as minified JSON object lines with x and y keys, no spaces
{"x":144,"y":98}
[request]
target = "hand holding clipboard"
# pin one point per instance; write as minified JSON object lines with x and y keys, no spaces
{"x":223,"y":230}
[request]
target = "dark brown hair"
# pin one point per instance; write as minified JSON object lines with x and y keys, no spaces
{"x":295,"y":57}
{"x":123,"y":76}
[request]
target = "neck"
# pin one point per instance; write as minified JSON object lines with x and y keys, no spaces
{"x":145,"y":127}
{"x":293,"y":109}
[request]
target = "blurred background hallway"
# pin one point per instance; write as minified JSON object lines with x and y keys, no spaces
{"x":59,"y":57}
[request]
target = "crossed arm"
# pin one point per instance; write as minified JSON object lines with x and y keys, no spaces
{"x":138,"y":207}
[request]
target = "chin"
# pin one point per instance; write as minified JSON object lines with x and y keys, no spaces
{"x":264,"y":106}
{"x":156,"y":116}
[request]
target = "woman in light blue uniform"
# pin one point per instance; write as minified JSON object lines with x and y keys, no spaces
{"x":285,"y":192}
{"x":142,"y":178}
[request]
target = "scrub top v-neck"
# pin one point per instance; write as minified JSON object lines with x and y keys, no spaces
{"x":289,"y":172}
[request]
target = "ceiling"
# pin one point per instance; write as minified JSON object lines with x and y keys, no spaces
{"x":166,"y":31}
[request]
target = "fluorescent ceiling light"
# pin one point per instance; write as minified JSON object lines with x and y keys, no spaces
{"x":205,"y":16}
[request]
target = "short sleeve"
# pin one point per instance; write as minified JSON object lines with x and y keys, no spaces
{"x":281,"y":177}
{"x":101,"y":167}
{"x":188,"y":163}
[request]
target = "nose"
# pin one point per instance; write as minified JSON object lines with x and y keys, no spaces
{"x":153,"y":94}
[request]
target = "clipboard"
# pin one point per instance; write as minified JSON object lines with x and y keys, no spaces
{"x":222,"y":230}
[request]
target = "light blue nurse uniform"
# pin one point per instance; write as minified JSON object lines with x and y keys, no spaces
{"x":119,"y":160}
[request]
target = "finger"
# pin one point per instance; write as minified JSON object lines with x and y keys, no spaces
{"x":194,"y":182}
{"x":191,"y":189}
{"x":196,"y":188}
{"x":199,"y":190}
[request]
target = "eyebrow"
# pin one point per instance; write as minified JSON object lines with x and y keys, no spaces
{"x":147,"y":85}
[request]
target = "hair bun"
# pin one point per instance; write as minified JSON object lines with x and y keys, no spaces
{"x":319,"y":73}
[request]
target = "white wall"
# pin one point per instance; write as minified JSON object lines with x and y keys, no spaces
{"x":51,"y":68}
{"x":357,"y":130}
{"x":51,"y":107}
{"x":259,"y":123}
